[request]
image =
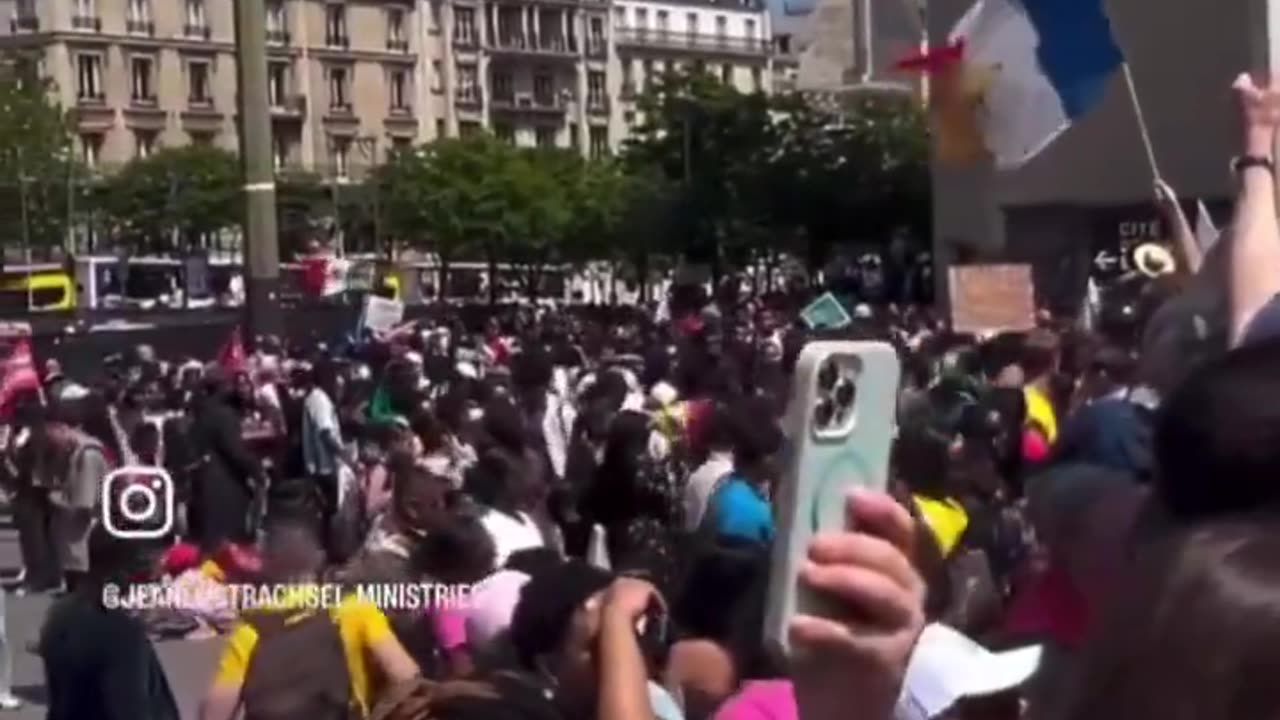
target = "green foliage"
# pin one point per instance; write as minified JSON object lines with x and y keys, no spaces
{"x":757,"y":175}
{"x":37,"y":163}
{"x":175,"y":197}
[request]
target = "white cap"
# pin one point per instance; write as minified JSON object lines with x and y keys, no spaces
{"x":946,"y":666}
{"x":664,"y":394}
{"x":467,"y":370}
{"x":862,"y":311}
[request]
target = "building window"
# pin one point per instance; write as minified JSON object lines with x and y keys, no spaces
{"x":596,"y":90}
{"x":340,"y":149}
{"x":86,"y":16}
{"x":464,"y":29}
{"x":277,"y":22}
{"x":277,"y":84}
{"x":757,"y":79}
{"x":89,"y":76}
{"x":649,"y":77}
{"x":575,"y":138}
{"x":749,"y":28}
{"x":595,"y":36}
{"x":339,"y":89}
{"x":722,"y":27}
{"x":599,"y":142}
{"x":398,"y":89}
{"x":433,"y":8}
{"x":437,"y":76}
{"x":664,"y":22}
{"x":335,"y":26}
{"x":468,"y":83}
{"x":545,"y":137}
{"x":691,"y":23}
{"x":202,"y":139}
{"x":629,"y":73}
{"x":726,"y":74}
{"x":543,"y":89}
{"x":505,"y":133}
{"x":279,"y":153}
{"x":619,"y":18}
{"x":503,"y":88}
{"x":198,"y":83}
{"x":396,"y":38}
{"x":142,"y":79}
{"x":90,"y":149}
{"x":441,"y":128}
{"x":139,"y":17}
{"x":144,"y":143}
{"x":642,"y":19}
{"x":468,"y":128}
{"x":197,"y":20}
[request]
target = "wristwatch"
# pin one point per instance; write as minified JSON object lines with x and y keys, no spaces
{"x":1244,"y":162}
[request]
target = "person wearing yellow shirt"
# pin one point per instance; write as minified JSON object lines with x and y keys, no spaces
{"x":375,"y":659}
{"x":1039,"y":363}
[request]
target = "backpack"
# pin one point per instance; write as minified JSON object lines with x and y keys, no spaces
{"x":298,"y":669}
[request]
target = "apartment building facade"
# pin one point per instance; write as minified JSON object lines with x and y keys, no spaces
{"x":351,"y":80}
{"x":141,"y":74}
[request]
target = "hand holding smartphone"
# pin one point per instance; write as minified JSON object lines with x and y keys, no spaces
{"x":840,"y":424}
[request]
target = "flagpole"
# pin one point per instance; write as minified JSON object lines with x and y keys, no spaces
{"x":1142,"y":120}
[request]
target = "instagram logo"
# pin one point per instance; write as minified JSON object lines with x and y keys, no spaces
{"x":137,"y":502}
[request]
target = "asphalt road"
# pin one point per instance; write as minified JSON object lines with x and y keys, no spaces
{"x":189,"y":664}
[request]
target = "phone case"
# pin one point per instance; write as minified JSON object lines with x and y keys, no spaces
{"x":833,"y":447}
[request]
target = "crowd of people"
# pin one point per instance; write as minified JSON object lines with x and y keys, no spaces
{"x":606,"y":493}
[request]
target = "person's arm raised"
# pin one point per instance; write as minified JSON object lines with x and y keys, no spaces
{"x":1254,"y":260}
{"x":1190,"y":258}
{"x":624,"y":680}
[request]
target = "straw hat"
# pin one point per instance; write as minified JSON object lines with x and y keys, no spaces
{"x":1154,"y":260}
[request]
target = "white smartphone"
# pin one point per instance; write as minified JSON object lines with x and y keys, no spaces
{"x":839,"y":426}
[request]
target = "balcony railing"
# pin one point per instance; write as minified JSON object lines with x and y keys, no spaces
{"x":197,"y":31}
{"x":278,"y":37}
{"x":140,"y":27}
{"x":398,"y":45}
{"x":143,"y":101}
{"x":91,"y":98}
{"x":338,"y":41}
{"x":340,"y":108}
{"x":466,"y":40}
{"x":401,"y":110}
{"x":692,"y":41}
{"x":25,"y":23}
{"x":517,"y":43}
{"x":87,"y":22}
{"x":528,"y":102}
{"x":598,"y":104}
{"x":597,"y":48}
{"x":288,"y":104}
{"x":469,"y":100}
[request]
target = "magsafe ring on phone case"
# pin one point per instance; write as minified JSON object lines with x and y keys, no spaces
{"x":848,"y":469}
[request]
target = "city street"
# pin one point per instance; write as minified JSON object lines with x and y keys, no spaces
{"x":188,"y":664}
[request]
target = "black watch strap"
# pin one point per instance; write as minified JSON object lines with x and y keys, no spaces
{"x":1244,"y":162}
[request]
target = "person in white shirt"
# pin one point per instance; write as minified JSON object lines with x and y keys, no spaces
{"x":706,"y":478}
{"x":495,"y":483}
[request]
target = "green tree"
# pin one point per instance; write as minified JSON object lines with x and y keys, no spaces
{"x":37,"y":160}
{"x":713,"y":141}
{"x":175,"y":199}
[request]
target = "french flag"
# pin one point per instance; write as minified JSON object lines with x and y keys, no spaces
{"x":1016,"y":74}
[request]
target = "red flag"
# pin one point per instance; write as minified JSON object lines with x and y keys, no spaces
{"x":19,"y":375}
{"x":232,"y":357}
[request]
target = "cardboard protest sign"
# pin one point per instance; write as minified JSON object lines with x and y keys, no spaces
{"x":381,"y":314}
{"x":992,"y":298}
{"x":825,"y":313}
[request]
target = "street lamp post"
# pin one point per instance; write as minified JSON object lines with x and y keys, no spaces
{"x":262,"y":251}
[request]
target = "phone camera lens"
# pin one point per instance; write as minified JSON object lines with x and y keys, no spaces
{"x":827,"y":377}
{"x":824,"y":413}
{"x":846,"y":393}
